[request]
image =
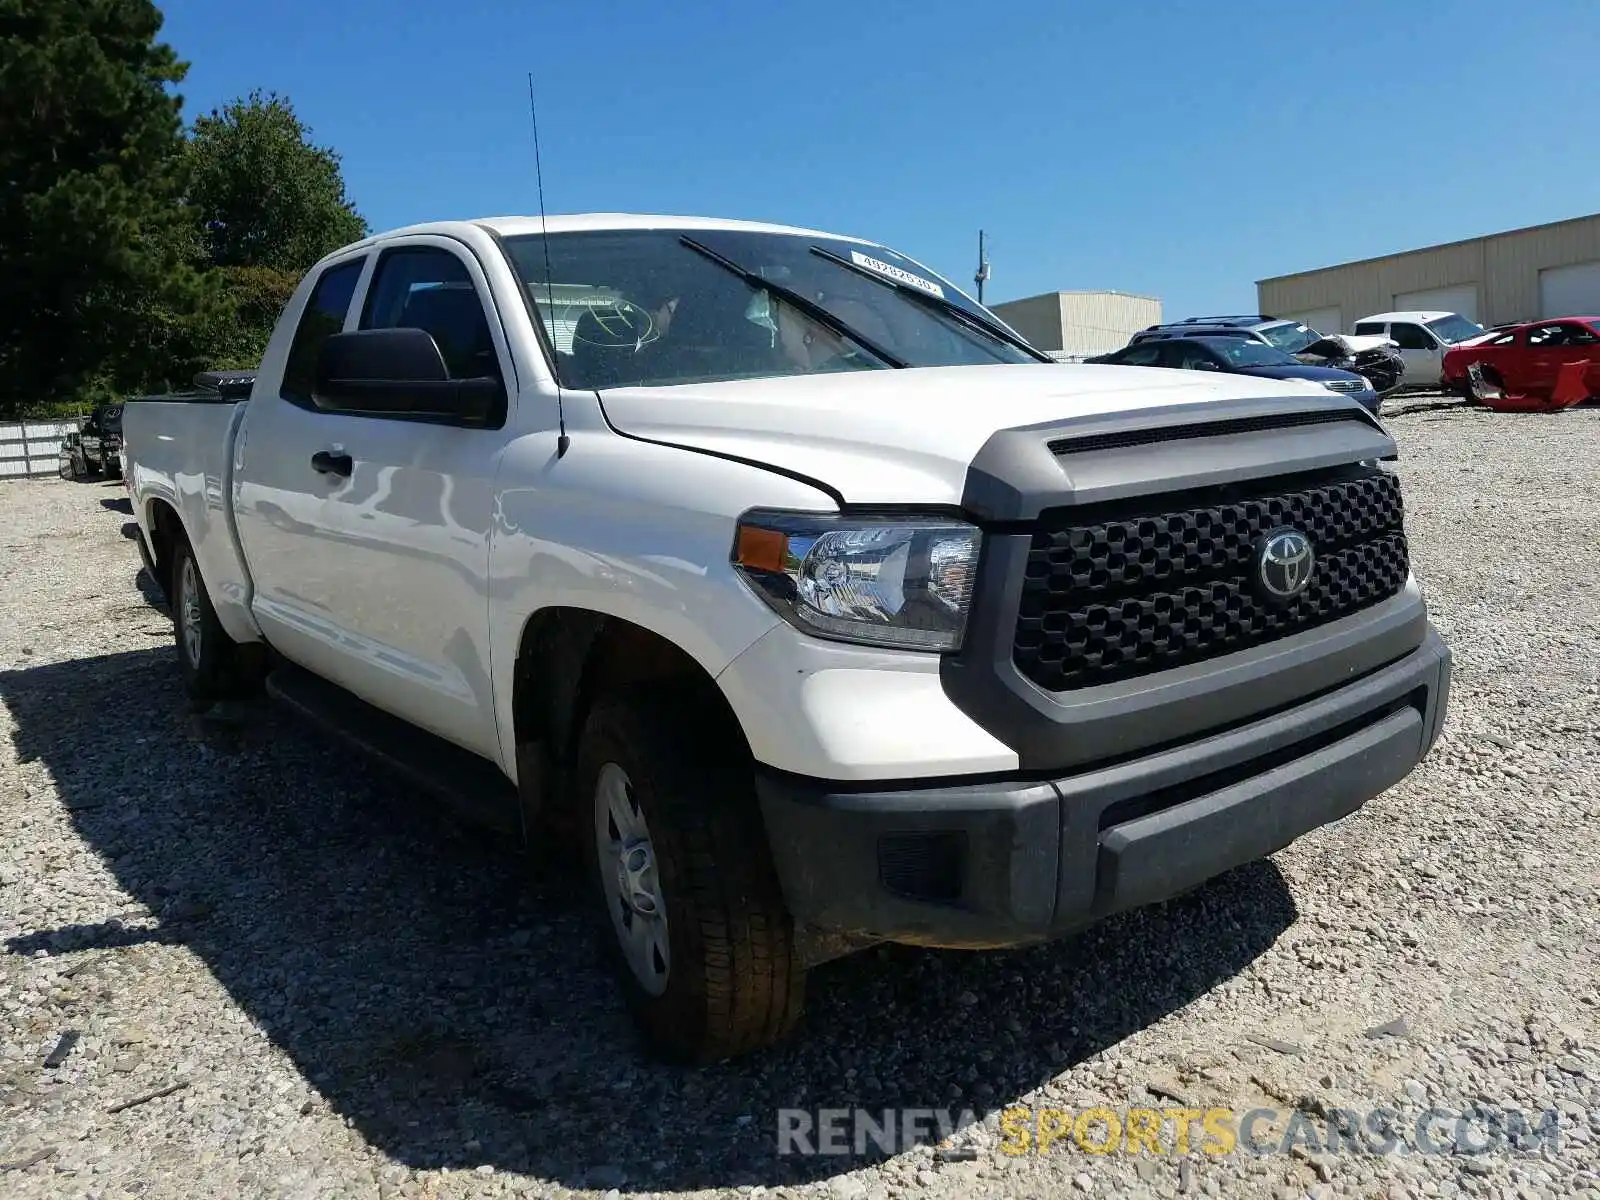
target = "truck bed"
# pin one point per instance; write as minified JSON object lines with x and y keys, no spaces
{"x":179,"y":452}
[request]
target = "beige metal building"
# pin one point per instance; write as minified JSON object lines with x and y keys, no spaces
{"x":1076,"y":324}
{"x":1542,"y":271}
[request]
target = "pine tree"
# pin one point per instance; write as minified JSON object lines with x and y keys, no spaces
{"x":97,"y":291}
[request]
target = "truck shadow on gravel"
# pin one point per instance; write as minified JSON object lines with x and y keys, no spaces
{"x":447,"y":997}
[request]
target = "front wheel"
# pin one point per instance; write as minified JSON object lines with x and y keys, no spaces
{"x":692,"y":911}
{"x":214,"y":666}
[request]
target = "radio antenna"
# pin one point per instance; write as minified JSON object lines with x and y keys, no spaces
{"x":563,"y":442}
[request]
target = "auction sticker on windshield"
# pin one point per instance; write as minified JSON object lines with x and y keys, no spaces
{"x":896,"y":273}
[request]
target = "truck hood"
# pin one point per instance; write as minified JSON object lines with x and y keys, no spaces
{"x":1356,"y":343}
{"x":904,"y":437}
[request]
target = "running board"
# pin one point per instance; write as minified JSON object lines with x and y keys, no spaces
{"x":474,"y":787}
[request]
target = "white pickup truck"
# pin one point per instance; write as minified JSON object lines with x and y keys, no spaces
{"x":819,"y":605}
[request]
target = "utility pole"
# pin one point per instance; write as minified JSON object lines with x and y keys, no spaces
{"x":982,"y":277}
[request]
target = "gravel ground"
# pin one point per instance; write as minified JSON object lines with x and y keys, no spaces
{"x":354,"y":998}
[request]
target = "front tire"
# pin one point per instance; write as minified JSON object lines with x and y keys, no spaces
{"x":690,"y":905}
{"x":213,"y":664}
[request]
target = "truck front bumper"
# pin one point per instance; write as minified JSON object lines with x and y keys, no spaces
{"x":1014,"y":860}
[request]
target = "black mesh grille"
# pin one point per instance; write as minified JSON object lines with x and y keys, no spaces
{"x":1129,"y":593}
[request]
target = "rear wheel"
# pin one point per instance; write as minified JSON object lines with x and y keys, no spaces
{"x":692,"y":912}
{"x":214,"y":666}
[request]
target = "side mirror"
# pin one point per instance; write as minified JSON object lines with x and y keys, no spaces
{"x":400,"y":373}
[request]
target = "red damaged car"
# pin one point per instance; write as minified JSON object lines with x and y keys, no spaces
{"x":1526,"y":359}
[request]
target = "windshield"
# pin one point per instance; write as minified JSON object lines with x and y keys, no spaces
{"x":1290,"y":337}
{"x":644,"y":307}
{"x":1242,"y":352}
{"x":1454,"y":328}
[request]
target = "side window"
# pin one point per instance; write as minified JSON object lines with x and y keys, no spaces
{"x":1505,"y":339}
{"x":1145,"y":354}
{"x":1410,"y":337}
{"x":1187,"y":357}
{"x":424,"y":287}
{"x":1373,"y":327}
{"x":1561,"y":335}
{"x":323,"y":317}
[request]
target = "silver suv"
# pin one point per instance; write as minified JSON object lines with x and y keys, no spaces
{"x":1289,"y":336}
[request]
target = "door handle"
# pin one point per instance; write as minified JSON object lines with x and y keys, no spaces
{"x":326,"y":462}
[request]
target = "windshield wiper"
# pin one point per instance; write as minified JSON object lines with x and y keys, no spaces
{"x":810,"y":307}
{"x":970,"y":320}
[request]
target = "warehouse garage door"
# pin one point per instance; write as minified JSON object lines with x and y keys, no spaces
{"x":1458,"y":298}
{"x":1570,"y":291}
{"x":1323,"y":320}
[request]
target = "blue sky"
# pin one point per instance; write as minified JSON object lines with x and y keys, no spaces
{"x":1181,"y":150}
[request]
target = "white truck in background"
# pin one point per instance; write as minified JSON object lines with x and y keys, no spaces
{"x":1423,"y":338}
{"x":824,"y":609}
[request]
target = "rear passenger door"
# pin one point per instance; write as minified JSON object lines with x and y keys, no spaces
{"x":279,"y":498}
{"x":1142,"y":354}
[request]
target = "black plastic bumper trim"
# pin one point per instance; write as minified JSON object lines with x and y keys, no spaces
{"x":1045,"y":857}
{"x":1151,"y":857}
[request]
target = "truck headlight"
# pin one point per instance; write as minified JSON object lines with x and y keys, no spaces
{"x":900,"y":581}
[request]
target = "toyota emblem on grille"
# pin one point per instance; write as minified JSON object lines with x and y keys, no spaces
{"x":1284,"y":563}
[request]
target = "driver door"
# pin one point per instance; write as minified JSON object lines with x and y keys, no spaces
{"x":1424,"y":359}
{"x":368,"y":533}
{"x":1550,"y":347}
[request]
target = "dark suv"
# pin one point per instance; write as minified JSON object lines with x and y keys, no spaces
{"x":1289,"y":336}
{"x":1239,"y":356}
{"x":102,"y":440}
{"x":95,"y":448}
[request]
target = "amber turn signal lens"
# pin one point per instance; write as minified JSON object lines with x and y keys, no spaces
{"x":761,"y":549}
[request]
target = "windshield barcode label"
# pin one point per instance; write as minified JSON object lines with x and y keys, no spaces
{"x":895,"y":273}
